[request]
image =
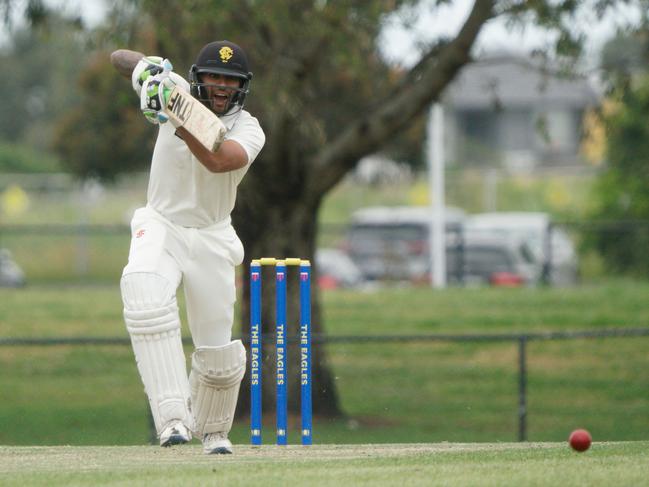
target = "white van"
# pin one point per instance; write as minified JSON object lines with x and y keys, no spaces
{"x":391,"y":243}
{"x":493,"y":260}
{"x":553,"y":249}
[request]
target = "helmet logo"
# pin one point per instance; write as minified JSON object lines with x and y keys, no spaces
{"x":226,"y":53}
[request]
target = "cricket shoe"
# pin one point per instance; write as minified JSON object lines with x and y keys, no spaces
{"x":175,"y":433}
{"x":216,"y":444}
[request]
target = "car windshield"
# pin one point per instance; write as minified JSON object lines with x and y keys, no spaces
{"x":379,"y":238}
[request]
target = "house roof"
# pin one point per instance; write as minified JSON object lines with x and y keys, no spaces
{"x":508,"y":81}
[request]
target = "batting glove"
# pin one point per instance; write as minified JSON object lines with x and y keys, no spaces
{"x":155,"y":94}
{"x":145,"y":68}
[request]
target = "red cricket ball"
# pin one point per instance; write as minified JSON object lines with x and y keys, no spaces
{"x":580,"y":440}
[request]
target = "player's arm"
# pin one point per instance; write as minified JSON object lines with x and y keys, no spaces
{"x":125,"y":60}
{"x":230,"y":156}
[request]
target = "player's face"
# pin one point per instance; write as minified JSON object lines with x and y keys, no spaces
{"x":220,"y":89}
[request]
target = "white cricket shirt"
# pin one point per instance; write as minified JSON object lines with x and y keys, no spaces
{"x":182,"y":189}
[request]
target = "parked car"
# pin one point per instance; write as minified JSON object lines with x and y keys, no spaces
{"x":553,"y":249}
{"x":11,"y":275}
{"x":494,"y":260}
{"x":336,"y":269}
{"x":392,"y":243}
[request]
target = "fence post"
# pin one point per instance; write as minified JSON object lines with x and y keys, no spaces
{"x":522,"y":388}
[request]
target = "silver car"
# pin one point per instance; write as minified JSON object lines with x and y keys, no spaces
{"x":336,"y":269}
{"x":553,"y":249}
{"x":11,"y":275}
{"x":493,"y":260}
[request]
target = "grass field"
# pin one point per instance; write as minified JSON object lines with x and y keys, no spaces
{"x":392,"y":393}
{"x":489,"y":464}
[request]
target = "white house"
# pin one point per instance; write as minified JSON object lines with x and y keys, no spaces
{"x":516,"y":113}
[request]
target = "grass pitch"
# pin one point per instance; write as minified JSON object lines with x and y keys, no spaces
{"x":497,"y":464}
{"x":391,"y":393}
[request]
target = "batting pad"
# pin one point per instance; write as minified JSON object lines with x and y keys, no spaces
{"x":151,"y":316}
{"x":214,"y":380}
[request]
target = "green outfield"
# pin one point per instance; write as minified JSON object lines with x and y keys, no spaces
{"x":489,"y":464}
{"x":391,"y":392}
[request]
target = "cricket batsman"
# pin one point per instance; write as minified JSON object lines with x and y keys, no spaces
{"x":184,"y":234}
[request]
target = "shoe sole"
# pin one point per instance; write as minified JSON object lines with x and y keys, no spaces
{"x":175,"y":440}
{"x":221,"y":450}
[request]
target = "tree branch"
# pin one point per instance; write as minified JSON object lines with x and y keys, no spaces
{"x":371,"y":131}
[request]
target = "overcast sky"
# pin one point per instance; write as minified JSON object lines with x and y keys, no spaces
{"x":398,"y":44}
{"x":92,"y":11}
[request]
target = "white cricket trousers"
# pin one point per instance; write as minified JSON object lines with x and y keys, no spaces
{"x":203,"y":259}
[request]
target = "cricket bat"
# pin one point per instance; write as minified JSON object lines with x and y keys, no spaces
{"x":181,"y":108}
{"x":186,"y":111}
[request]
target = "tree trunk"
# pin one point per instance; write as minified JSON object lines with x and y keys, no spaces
{"x":286,"y":230}
{"x":277,"y":207}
